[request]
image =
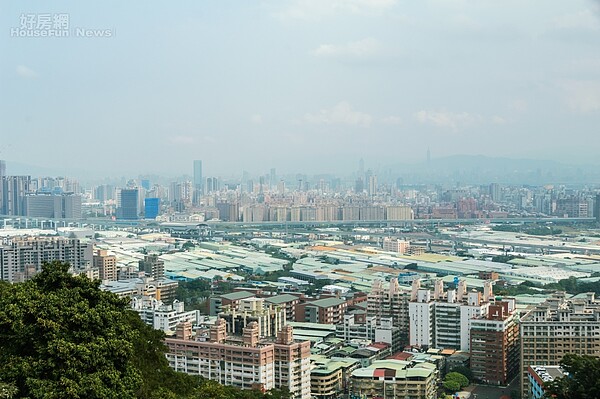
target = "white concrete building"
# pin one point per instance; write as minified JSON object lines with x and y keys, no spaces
{"x":442,"y":319}
{"x":160,"y":316}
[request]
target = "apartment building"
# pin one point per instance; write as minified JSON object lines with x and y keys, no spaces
{"x":106,"y":265}
{"x":269,"y":318}
{"x":246,"y":362}
{"x":232,"y":300}
{"x":324,"y":311}
{"x":287,"y":302}
{"x":442,"y":319}
{"x":390,"y":302}
{"x":359,"y":327}
{"x":395,"y":379}
{"x":161,"y":289}
{"x":395,"y":245}
{"x":329,"y":377}
{"x":495,"y":344}
{"x":22,"y":257}
{"x":161,"y":316}
{"x":556,"y":327}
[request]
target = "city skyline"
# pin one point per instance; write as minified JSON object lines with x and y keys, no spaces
{"x":303,"y":85}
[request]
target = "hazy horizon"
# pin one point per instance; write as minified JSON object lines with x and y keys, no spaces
{"x":309,"y":86}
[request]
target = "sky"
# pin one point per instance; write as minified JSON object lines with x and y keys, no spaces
{"x":301,"y":85}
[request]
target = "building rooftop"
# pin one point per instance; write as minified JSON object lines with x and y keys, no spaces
{"x":237,"y":295}
{"x":396,"y":368}
{"x":279,"y":299}
{"x":327,"y":302}
{"x":544,"y":374}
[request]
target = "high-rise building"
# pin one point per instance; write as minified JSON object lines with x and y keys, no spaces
{"x":198,"y":181}
{"x":495,"y":192}
{"x":495,"y":344}
{"x":246,"y":362}
{"x":151,"y":208}
{"x":2,"y":168}
{"x":270,"y":318}
{"x":129,"y":204}
{"x":442,"y":319}
{"x":62,"y":206}
{"x":389,"y":303}
{"x":13,"y":190}
{"x":162,"y":316}
{"x":104,"y":193}
{"x":106,"y":264}
{"x":153,"y":266}
{"x":212,"y":184}
{"x":22,"y":257}
{"x":372,"y":185}
{"x":557,"y":327}
{"x":399,"y":212}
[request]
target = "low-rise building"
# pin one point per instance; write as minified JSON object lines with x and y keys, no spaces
{"x":329,"y":377}
{"x":395,"y":379}
{"x":538,"y":376}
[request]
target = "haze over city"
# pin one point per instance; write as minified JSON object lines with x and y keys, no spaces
{"x":304,"y":86}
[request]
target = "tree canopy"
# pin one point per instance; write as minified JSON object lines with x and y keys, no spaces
{"x":455,"y":381}
{"x":62,"y":337}
{"x":582,"y":381}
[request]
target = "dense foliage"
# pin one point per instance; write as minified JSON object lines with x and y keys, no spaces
{"x":62,"y":337}
{"x":583,"y":381}
{"x":455,"y":382}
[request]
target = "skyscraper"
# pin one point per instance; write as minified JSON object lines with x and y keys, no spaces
{"x":129,"y":208}
{"x":2,"y":169}
{"x":12,"y":191}
{"x":151,"y":208}
{"x":198,"y":180}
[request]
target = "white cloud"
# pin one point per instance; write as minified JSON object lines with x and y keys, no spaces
{"x":582,"y":96}
{"x":447,"y":119}
{"x":341,"y":114}
{"x":26,"y":73}
{"x":256,"y":119}
{"x":315,"y":9}
{"x":392,"y":120}
{"x":361,"y":48}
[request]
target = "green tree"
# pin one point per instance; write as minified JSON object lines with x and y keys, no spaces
{"x":582,"y":382}
{"x":62,"y":337}
{"x":464,"y":371}
{"x":451,"y":386}
{"x":455,"y":381}
{"x":8,"y":391}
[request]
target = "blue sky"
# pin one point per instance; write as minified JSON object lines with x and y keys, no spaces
{"x":300,"y":85}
